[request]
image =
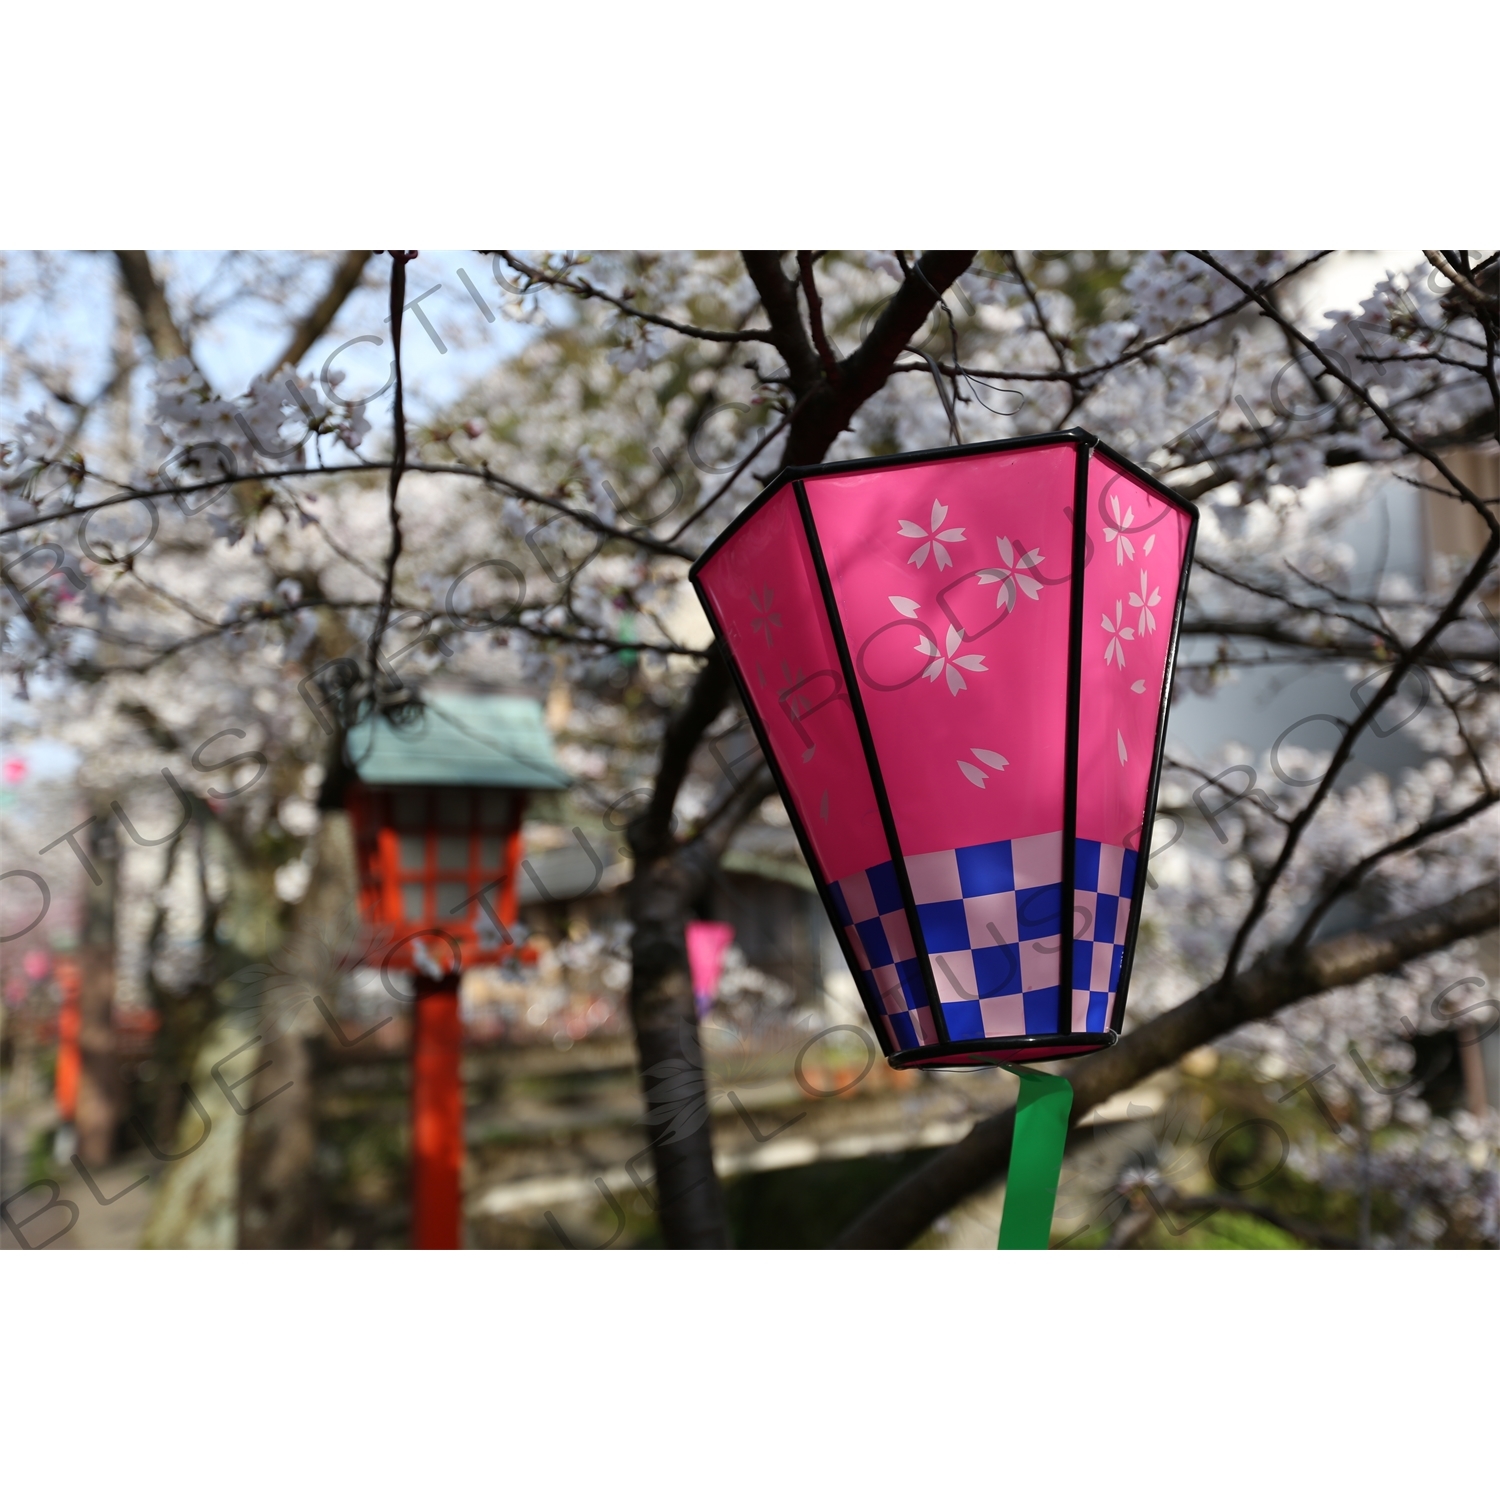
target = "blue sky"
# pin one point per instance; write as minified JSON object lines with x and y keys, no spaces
{"x":75,"y":321}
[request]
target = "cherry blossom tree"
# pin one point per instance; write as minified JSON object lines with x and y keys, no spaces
{"x":214,"y":598}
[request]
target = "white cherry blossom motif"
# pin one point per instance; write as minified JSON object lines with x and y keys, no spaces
{"x":764,"y":622}
{"x":1011,"y":576}
{"x":1120,"y":746}
{"x":946,"y":665}
{"x":907,"y":607}
{"x":991,"y":758}
{"x":1114,"y":651}
{"x":934,"y":538}
{"x":1115,"y":535}
{"x":1144,"y":601}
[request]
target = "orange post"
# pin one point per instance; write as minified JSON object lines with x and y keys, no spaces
{"x":69,"y":1022}
{"x":437,"y":1102}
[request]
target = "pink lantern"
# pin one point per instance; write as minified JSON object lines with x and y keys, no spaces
{"x":959,"y":664}
{"x":707,"y":943}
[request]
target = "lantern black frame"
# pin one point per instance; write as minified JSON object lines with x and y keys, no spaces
{"x":985,"y":1051}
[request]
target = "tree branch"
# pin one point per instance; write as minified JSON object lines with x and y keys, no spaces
{"x":1350,"y":879}
{"x":1134,"y":352}
{"x":581,"y":288}
{"x":830,"y":409}
{"x":721,"y":822}
{"x":778,"y":295}
{"x":739,"y":469}
{"x":150,"y":300}
{"x":1311,"y":1234}
{"x":815,"y":316}
{"x":1279,"y":978}
{"x":1280,"y":635}
{"x":650,"y":835}
{"x":1059,"y":353}
{"x":1440,"y":261}
{"x":642,"y":539}
{"x":346,"y":277}
{"x":399,"y":259}
{"x":1421,"y":450}
{"x":1403,"y":663}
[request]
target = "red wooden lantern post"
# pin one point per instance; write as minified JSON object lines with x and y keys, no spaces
{"x":437,"y":1115}
{"x":437,"y":813}
{"x":69,"y":1023}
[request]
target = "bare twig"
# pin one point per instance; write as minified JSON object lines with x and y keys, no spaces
{"x":815,"y":316}
{"x":1437,"y":259}
{"x":1404,"y":661}
{"x":399,"y":259}
{"x":739,"y":469}
{"x":1134,"y":351}
{"x":462,"y":471}
{"x":1356,"y":873}
{"x":1411,"y":444}
{"x":346,"y":277}
{"x":1058,"y":351}
{"x":1344,"y":649}
{"x":582,"y":288}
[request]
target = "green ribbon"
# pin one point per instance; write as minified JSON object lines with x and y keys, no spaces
{"x":1036,"y":1154}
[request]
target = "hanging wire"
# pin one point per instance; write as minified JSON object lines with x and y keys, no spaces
{"x":948,"y":406}
{"x":974,"y":385}
{"x":950,"y":399}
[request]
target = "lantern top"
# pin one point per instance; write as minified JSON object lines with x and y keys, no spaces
{"x":461,"y":740}
{"x":1077,"y":437}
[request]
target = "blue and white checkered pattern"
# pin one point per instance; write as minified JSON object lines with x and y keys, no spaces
{"x":874,"y":918}
{"x":990,"y":916}
{"x":1104,"y":877}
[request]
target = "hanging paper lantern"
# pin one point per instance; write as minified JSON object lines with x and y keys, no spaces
{"x":958,"y":664}
{"x":707,"y":943}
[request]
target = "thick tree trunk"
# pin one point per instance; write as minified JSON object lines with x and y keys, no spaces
{"x":217,"y":1046}
{"x":195,"y":1204}
{"x":278,"y":1197}
{"x":278,"y":1145}
{"x":689,"y":1200}
{"x":100,"y":1095}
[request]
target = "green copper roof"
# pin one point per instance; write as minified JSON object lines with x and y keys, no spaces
{"x":460,"y":741}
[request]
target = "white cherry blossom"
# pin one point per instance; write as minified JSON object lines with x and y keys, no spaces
{"x":934,"y":538}
{"x":1113,"y":650}
{"x":1115,"y":535}
{"x":1011,"y":575}
{"x":1144,"y":600}
{"x":946,"y":665}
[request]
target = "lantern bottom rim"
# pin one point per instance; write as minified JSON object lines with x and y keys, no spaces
{"x":996,"y":1051}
